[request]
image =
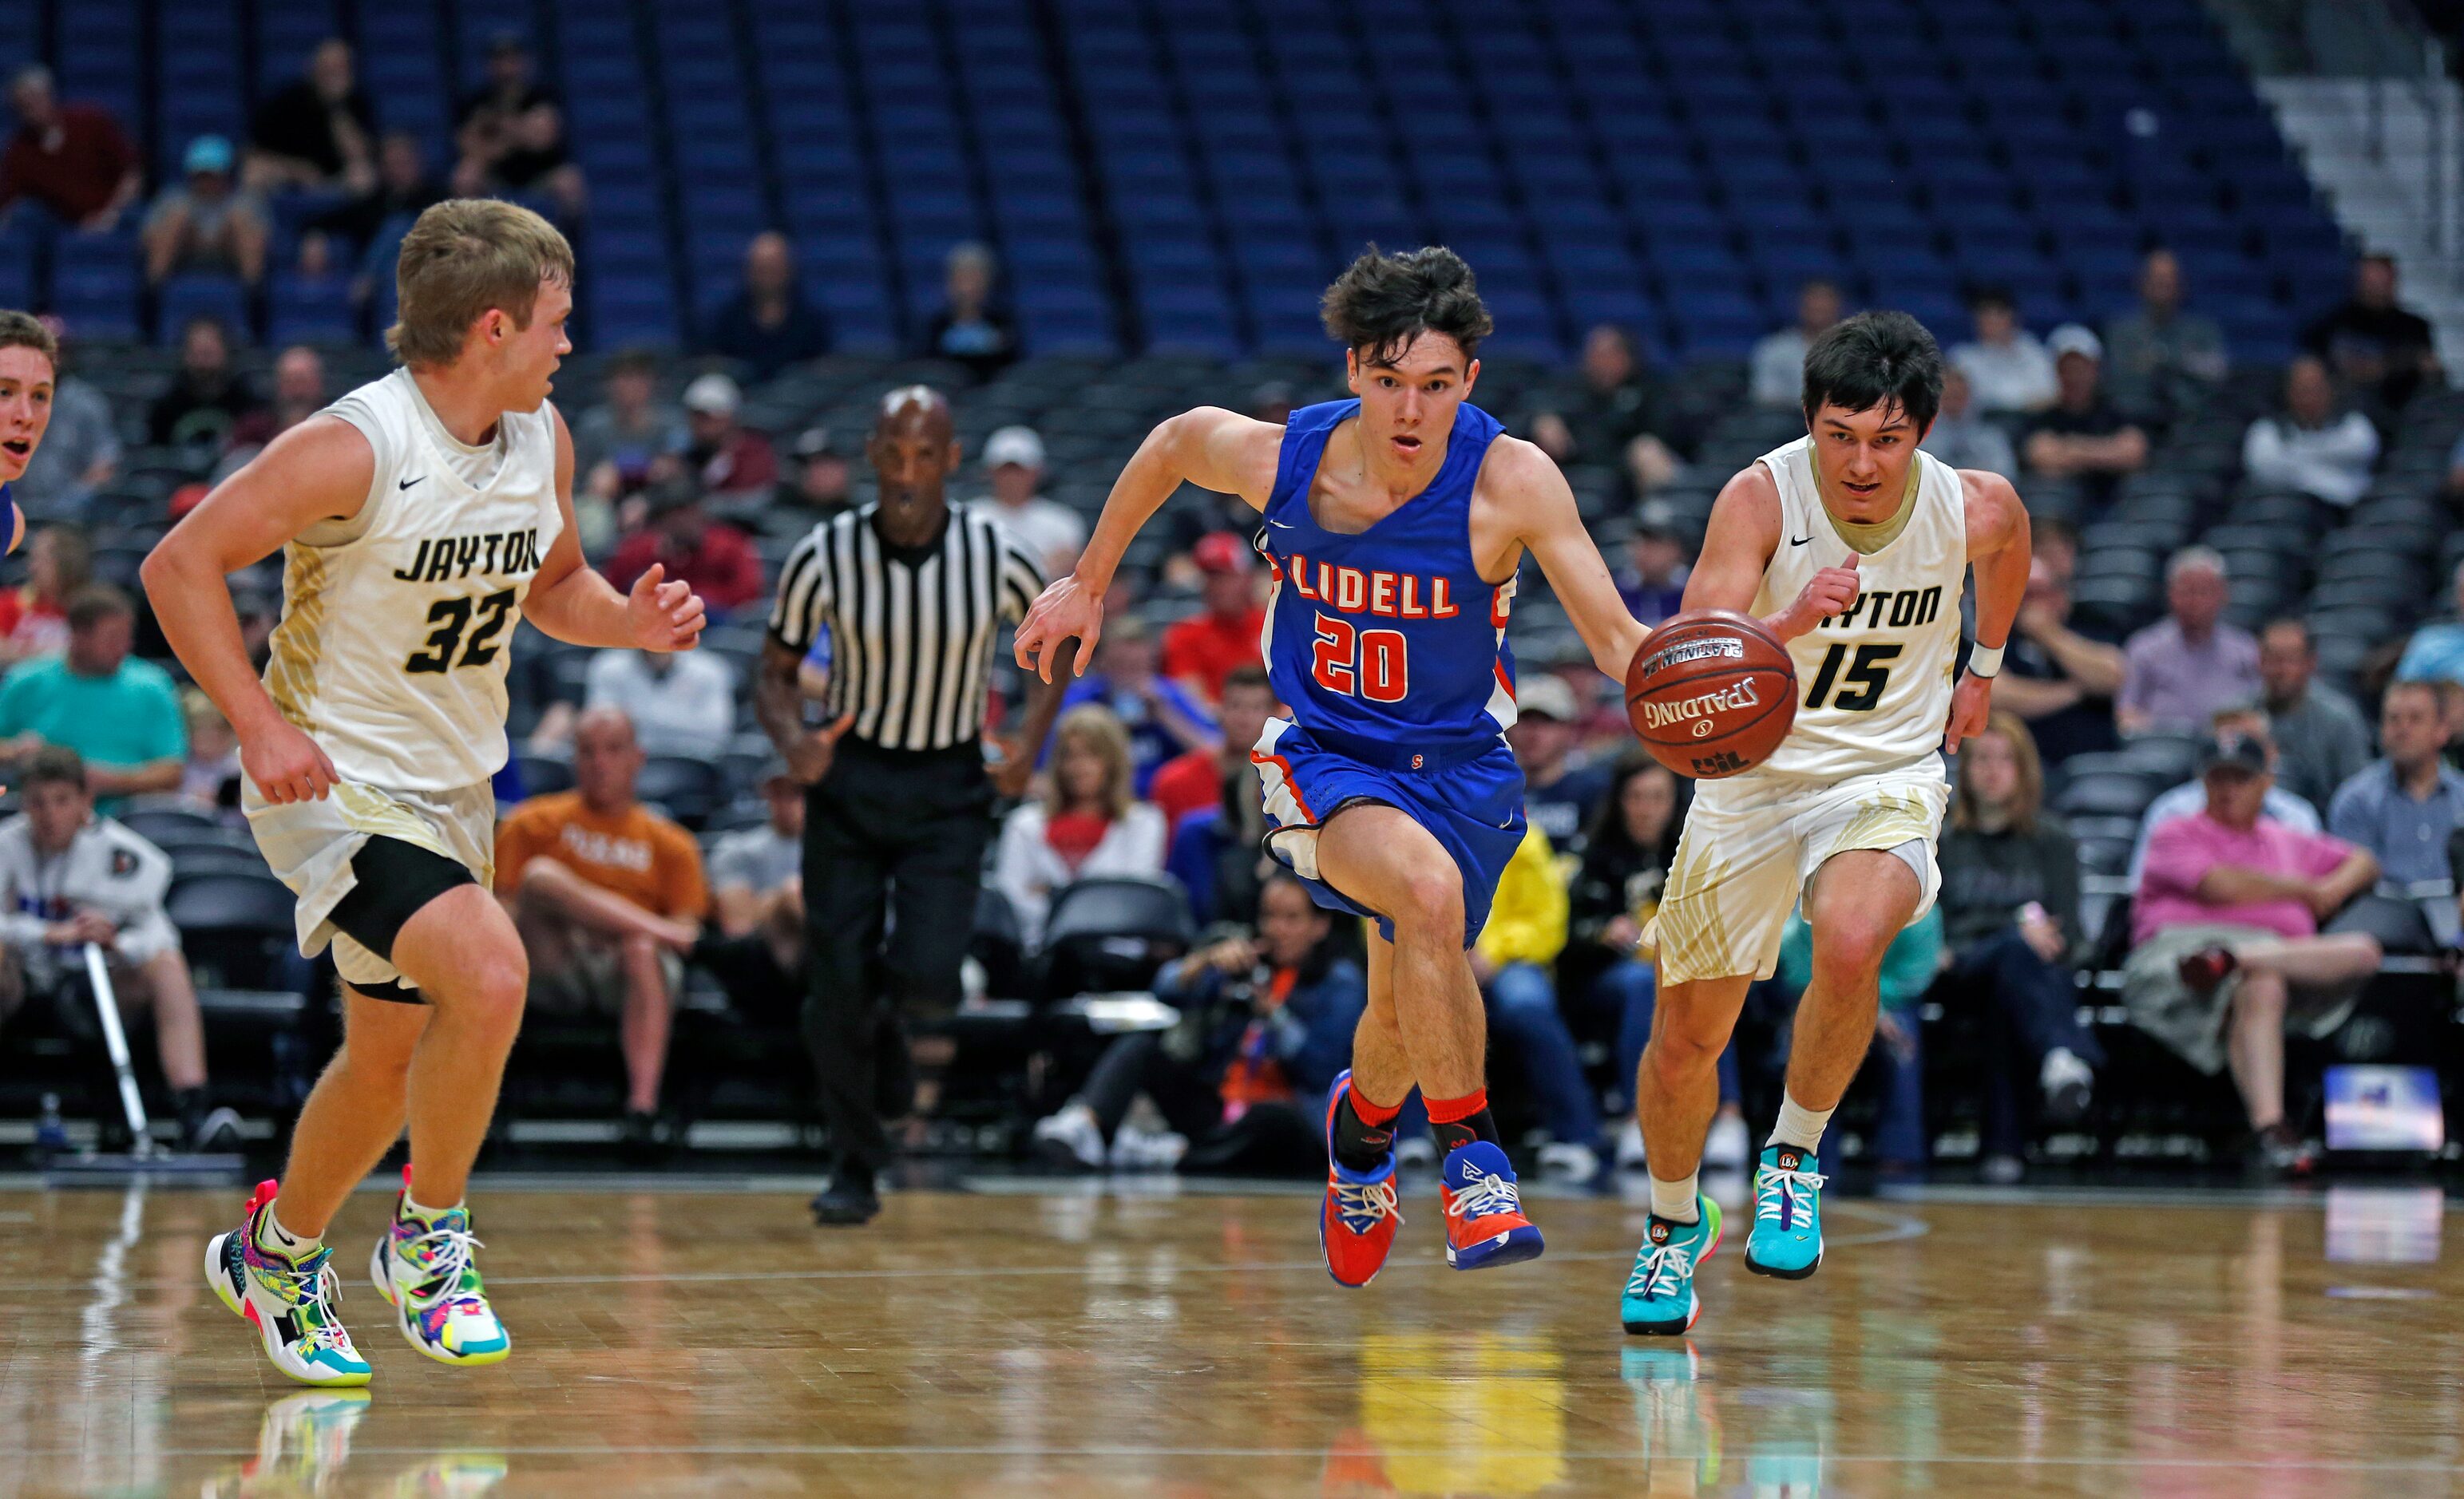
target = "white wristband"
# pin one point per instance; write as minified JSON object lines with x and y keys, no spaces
{"x":1985,"y":661}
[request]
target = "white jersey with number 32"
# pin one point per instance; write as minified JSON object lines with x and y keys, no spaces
{"x":1873,"y":683}
{"x":392,"y":647}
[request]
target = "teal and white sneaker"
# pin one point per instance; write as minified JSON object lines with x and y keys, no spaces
{"x":289,"y":1301}
{"x":1787,"y":1237}
{"x":423,"y":1267}
{"x":1660,"y":1295}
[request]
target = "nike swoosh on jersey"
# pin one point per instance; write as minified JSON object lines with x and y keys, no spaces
{"x":1798,"y":541}
{"x":407,"y":483}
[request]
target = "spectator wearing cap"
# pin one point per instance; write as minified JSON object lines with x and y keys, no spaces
{"x":824,"y":481}
{"x":769,"y":324}
{"x":2081,"y":438}
{"x":318,"y":131}
{"x":72,"y":159}
{"x":2226,"y":949}
{"x":1561,"y":793}
{"x":2010,"y":370}
{"x":1051,"y":532}
{"x":2185,"y":666}
{"x":1204,"y":649}
{"x":1163,"y":718}
{"x":2164,"y":360}
{"x":2321,"y":733}
{"x":120,"y":714}
{"x":205,"y":221}
{"x":714,"y":556}
{"x":728,"y":458}
{"x":1961,"y":438}
{"x":969,"y":329}
{"x":1615,"y":414}
{"x":2242,"y":721}
{"x":2309,"y":448}
{"x":2435,"y":653}
{"x":81,"y":449}
{"x":1779,"y":358}
{"x":1194,"y":780}
{"x":1658,"y":562}
{"x":2405,"y":808}
{"x":756,"y":896}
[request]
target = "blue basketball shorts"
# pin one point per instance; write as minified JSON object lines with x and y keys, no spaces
{"x":1471,"y":798}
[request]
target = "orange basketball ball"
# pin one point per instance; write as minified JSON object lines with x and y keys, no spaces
{"x":1711,"y":693}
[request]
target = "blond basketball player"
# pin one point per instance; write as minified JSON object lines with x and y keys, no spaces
{"x":1853,"y":547}
{"x":421,"y":518}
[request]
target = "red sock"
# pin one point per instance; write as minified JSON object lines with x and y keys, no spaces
{"x":1371,"y":1114}
{"x":1456,"y":1123}
{"x":1446,"y":1111}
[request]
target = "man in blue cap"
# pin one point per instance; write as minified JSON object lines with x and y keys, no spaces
{"x":204,"y":223}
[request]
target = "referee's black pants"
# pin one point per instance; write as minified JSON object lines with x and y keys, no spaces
{"x":893,"y":858}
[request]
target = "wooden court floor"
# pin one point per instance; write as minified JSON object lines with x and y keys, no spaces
{"x":1014,"y":1340}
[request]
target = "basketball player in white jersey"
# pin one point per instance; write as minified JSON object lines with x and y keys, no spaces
{"x":421,"y":518}
{"x":1851,"y":545}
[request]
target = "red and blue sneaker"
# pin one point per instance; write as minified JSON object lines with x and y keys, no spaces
{"x":1356,"y":1223}
{"x":1484,"y":1223}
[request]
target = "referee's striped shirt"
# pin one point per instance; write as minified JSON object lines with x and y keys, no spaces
{"x":911,"y":630}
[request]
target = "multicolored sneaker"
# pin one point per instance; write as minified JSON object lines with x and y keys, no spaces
{"x":1787,"y":1237}
{"x":1356,"y":1223}
{"x":423,"y":1267}
{"x":1484,"y":1223}
{"x":291,"y":1301}
{"x":1660,"y":1295}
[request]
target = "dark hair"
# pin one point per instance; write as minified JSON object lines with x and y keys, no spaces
{"x":95,"y":603}
{"x":2437,"y":697}
{"x":1874,"y":359}
{"x":1331,"y":943}
{"x":1249,"y":674}
{"x":1608,"y":831}
{"x":2053,"y":528}
{"x":633,"y":361}
{"x":56,"y":765}
{"x":1382,"y":302}
{"x":1991,"y":295}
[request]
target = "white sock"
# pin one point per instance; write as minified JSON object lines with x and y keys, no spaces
{"x":1798,"y":1125}
{"x":411,"y":1210}
{"x":1678,"y":1200}
{"x":272,"y":1235}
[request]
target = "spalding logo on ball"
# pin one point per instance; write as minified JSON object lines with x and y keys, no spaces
{"x":1711,"y":693}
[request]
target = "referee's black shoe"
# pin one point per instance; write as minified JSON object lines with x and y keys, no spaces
{"x":850,"y":1201}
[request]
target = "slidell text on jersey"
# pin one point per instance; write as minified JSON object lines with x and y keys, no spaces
{"x":1353,"y":589}
{"x":443,"y":559}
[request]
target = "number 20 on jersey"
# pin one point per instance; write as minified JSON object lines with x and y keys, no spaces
{"x":1356,"y":663}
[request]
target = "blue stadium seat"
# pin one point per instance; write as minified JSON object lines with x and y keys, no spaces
{"x":311,"y":310}
{"x":192,"y":295}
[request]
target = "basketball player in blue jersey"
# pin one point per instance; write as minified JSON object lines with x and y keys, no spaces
{"x":1394,"y":524}
{"x":29,"y":372}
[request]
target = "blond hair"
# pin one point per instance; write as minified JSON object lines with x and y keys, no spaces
{"x":1094,"y":727}
{"x":464,"y":258}
{"x":2027,"y":798}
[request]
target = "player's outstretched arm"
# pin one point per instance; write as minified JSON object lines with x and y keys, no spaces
{"x":1998,"y":549}
{"x":1737,"y":548}
{"x":1210,"y":448}
{"x":319,"y":471}
{"x":569,"y":600}
{"x":1551,"y":526}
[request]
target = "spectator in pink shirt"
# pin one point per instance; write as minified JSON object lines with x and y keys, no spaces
{"x":2225,"y":947}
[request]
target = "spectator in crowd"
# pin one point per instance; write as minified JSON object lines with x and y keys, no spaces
{"x":2182,"y":668}
{"x":2435,"y":653}
{"x":72,"y":159}
{"x":207,"y":399}
{"x":1241,"y":1080}
{"x":2308,"y":447}
{"x":2081,"y":438}
{"x":1163,"y":718}
{"x":2008,"y":368}
{"x":726,"y":457}
{"x":714,"y":556}
{"x":2373,"y":345}
{"x":298,"y":393}
{"x":1087,"y":822}
{"x":1194,"y":513}
{"x":512,"y":135}
{"x":319,"y":131}
{"x":69,"y":878}
{"x":403,"y":190}
{"x":1218,"y":851}
{"x":34,"y":617}
{"x":1194,"y":780}
{"x":2010,"y":915}
{"x":1658,"y":563}
{"x":609,"y":896}
{"x":1562,"y":792}
{"x":680,"y":703}
{"x":619,"y":440}
{"x":2226,"y":949}
{"x":2059,"y":677}
{"x":769,"y":323}
{"x":204,"y":223}
{"x":757,"y":896}
{"x":825,"y":484}
{"x":1614,"y":414}
{"x":2240,"y":721}
{"x":1202,"y":651}
{"x":2164,"y":360}
{"x":120,"y":714}
{"x":1779,"y":358}
{"x":2404,"y":807}
{"x":1901,"y":1144}
{"x":969,"y":329}
{"x":1052,"y":532}
{"x":2317,"y":729}
{"x":1961,"y":438}
{"x":80,"y":452}
{"x":1512,"y":960}
{"x":212,"y":778}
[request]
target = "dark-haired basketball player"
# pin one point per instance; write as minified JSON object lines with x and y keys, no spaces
{"x":1843,"y":815}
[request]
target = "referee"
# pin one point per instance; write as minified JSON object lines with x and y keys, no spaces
{"x":899,"y":800}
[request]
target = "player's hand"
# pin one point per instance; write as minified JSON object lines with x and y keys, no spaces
{"x":1832,"y":591}
{"x":286,"y":765}
{"x":1065,"y":609}
{"x":664,"y":616}
{"x":1972,"y":702}
{"x":809,"y":757}
{"x":1015,"y":768}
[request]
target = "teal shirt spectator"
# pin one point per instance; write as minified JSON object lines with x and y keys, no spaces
{"x":1909,"y":964}
{"x":129,"y":719}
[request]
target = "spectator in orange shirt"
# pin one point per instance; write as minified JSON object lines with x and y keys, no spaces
{"x":609,"y":897}
{"x":713,"y":555}
{"x":1190,"y":781}
{"x":1202,"y":651}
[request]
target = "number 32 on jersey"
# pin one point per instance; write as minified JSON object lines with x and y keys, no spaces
{"x":1357,"y":663}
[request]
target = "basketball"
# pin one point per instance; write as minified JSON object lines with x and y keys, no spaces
{"x":1711,"y":693}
